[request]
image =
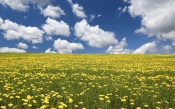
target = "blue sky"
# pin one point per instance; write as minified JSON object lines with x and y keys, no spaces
{"x":87,"y":26}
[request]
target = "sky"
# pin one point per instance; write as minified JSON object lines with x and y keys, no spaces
{"x":87,"y":26}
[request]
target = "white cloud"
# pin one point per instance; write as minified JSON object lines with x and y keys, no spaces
{"x":9,"y":25}
{"x":32,"y":34}
{"x":147,"y":48}
{"x":53,"y":27}
{"x":7,"y":49}
{"x":1,"y":21}
{"x":77,"y":10}
{"x":123,"y":10}
{"x":34,"y":47}
{"x":23,"y":5}
{"x":49,"y":51}
{"x":48,"y":38}
{"x":157,"y":17}
{"x":173,"y":44}
{"x":92,"y":17}
{"x":95,"y":36}
{"x":15,"y":4}
{"x":63,"y":46}
{"x":119,"y":48}
{"x":13,"y":31}
{"x":52,"y":11}
{"x":99,"y":15}
{"x":39,"y":3}
{"x":167,"y":48}
{"x":22,"y":45}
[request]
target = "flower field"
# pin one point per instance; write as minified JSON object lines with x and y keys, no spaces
{"x":85,"y":81}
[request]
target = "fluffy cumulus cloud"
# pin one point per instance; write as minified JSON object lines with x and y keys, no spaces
{"x":119,"y":48}
{"x":77,"y":9}
{"x":23,"y":5}
{"x":12,"y":30}
{"x":15,"y":4}
{"x":95,"y":36}
{"x":157,"y":17}
{"x":167,"y":48}
{"x":22,"y":45}
{"x":53,"y":27}
{"x":52,"y":11}
{"x":173,"y":44}
{"x":63,"y":46}
{"x":7,"y":49}
{"x":147,"y":48}
{"x":49,"y":51}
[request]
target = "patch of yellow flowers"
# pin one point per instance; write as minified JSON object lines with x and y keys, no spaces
{"x":56,"y":81}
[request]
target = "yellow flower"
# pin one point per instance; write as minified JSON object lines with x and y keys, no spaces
{"x":29,"y":105}
{"x":76,"y":106}
{"x":146,"y":105}
{"x":17,"y":96}
{"x":24,"y":104}
{"x":80,"y":102}
{"x":132,"y":103}
{"x":106,"y":97}
{"x":123,"y":100}
{"x":10,"y":104}
{"x":108,"y":101}
{"x":29,"y":97}
{"x":3,"y":107}
{"x":70,"y":100}
{"x":101,"y":99}
{"x":60,"y":107}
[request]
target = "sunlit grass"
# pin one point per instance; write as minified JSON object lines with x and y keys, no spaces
{"x":45,"y":81}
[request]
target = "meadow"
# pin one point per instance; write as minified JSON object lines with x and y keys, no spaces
{"x":87,"y":81}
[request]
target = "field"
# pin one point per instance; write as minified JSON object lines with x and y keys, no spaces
{"x":57,"y":81}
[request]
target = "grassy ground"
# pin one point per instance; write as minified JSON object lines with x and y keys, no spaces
{"x":29,"y":81}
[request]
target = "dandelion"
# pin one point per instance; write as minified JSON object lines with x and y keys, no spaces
{"x":60,"y":107}
{"x":29,"y":105}
{"x":24,"y":104}
{"x":106,"y":97}
{"x":29,"y":97}
{"x":70,"y":100}
{"x":11,"y":97}
{"x":80,"y":102}
{"x":123,"y":100}
{"x":34,"y":101}
{"x":3,"y":107}
{"x":17,"y":97}
{"x":146,"y":105}
{"x":76,"y":105}
{"x":10,"y":104}
{"x":108,"y":101}
{"x":101,"y":99}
